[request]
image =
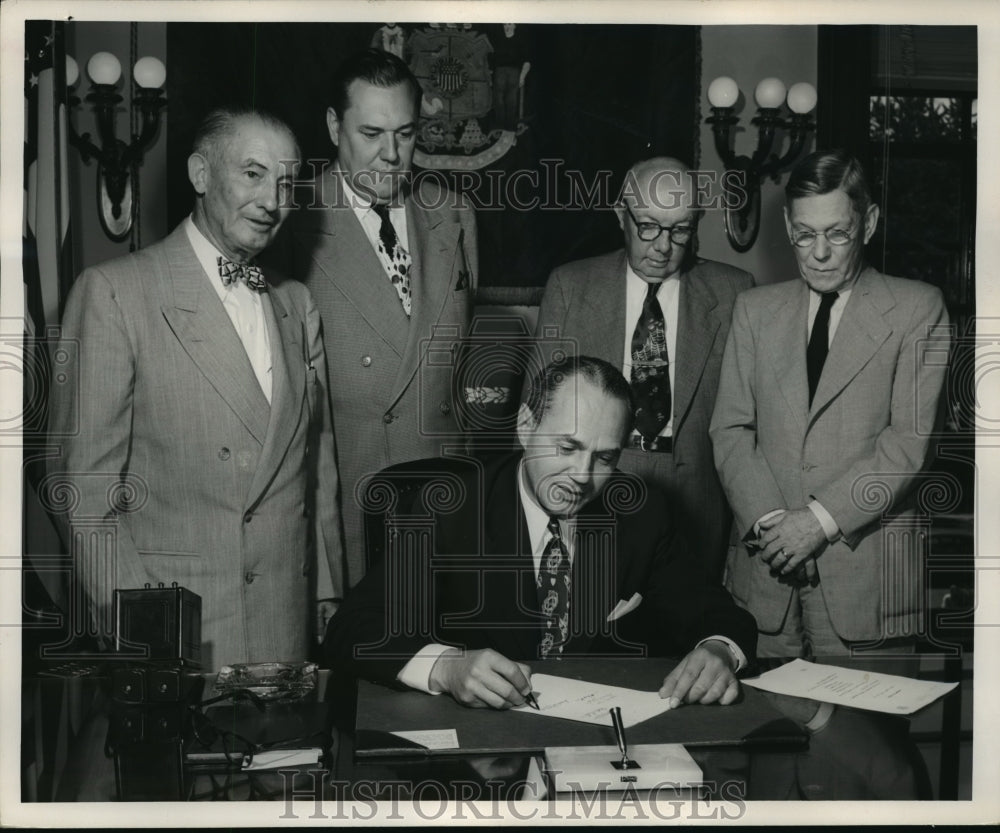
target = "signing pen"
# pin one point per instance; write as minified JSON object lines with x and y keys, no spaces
{"x":616,"y":720}
{"x":531,"y":701}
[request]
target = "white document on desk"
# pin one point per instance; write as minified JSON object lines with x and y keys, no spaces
{"x":589,"y":702}
{"x":858,"y":689}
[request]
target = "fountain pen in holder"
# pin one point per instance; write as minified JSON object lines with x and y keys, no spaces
{"x":616,"y":722}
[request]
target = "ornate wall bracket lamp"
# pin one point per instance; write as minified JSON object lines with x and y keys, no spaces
{"x":742,"y":216}
{"x":117,"y":162}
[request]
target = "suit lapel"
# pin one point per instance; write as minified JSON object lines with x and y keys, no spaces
{"x":597,"y":584}
{"x":345,"y":256}
{"x":697,"y":327}
{"x":434,"y":245}
{"x":604,"y":301}
{"x":785,"y":347}
{"x":287,"y":389}
{"x":861,"y":332}
{"x":506,"y":534}
{"x":201,"y":325}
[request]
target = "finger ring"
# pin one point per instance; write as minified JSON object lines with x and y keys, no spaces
{"x":781,"y":552}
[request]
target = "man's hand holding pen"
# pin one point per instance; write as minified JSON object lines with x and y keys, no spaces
{"x":487,"y":679}
{"x":482,"y":679}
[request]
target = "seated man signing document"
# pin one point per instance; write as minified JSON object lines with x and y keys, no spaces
{"x":549,"y":552}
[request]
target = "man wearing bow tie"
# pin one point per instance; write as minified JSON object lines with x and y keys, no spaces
{"x":392,"y":264}
{"x":195,"y":424}
{"x":546,"y":553}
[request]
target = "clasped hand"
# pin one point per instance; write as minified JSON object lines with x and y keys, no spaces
{"x":788,"y":541}
{"x":487,"y":679}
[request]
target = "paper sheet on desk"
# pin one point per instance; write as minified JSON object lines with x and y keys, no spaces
{"x":278,"y":758}
{"x":887,"y":693}
{"x":589,"y":702}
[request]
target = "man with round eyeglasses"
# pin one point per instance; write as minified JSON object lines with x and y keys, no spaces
{"x":661,"y":314}
{"x":827,"y":401}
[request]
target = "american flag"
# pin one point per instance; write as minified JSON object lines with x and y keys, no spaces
{"x":47,"y":274}
{"x":48,"y":269}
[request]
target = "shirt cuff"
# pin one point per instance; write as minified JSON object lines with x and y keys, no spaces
{"x":822,"y":717}
{"x":734,"y":649}
{"x":762,"y":518}
{"x":830,"y":528}
{"x":417,"y":672}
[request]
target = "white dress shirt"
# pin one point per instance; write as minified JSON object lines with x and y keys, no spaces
{"x":242,"y":304}
{"x":668,"y":297}
{"x":416,"y":673}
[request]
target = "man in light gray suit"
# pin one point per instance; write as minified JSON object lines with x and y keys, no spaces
{"x":827,"y":402}
{"x":194,"y":424}
{"x":602,"y":303}
{"x":392,"y":264}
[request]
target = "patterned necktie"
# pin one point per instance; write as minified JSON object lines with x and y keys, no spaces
{"x":230,"y":270}
{"x":394,"y":256}
{"x":553,"y":592}
{"x":818,"y":342}
{"x":651,"y":368}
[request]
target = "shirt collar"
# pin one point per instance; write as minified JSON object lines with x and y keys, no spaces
{"x":355,"y":200}
{"x":204,"y":249}
{"x":842,"y":295}
{"x":535,"y":517}
{"x":630,"y":275}
{"x":358,"y":201}
{"x":208,"y":256}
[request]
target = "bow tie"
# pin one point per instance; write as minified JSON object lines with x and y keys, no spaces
{"x":252,"y":276}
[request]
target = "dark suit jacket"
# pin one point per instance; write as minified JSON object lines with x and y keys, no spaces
{"x":585,"y":302}
{"x":474,"y":585}
{"x":390,"y":377}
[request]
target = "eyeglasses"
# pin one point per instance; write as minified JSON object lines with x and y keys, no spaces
{"x":834,"y":236}
{"x":648,"y":232}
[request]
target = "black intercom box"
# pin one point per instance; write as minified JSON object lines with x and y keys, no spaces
{"x":157,"y":624}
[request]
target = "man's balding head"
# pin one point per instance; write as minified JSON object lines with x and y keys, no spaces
{"x":659,"y":200}
{"x":662,"y":181}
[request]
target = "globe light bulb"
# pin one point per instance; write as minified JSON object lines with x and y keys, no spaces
{"x":104,"y":68}
{"x":72,"y":71}
{"x":723,"y":92}
{"x":770,"y":93}
{"x":801,"y":97}
{"x":149,"y":73}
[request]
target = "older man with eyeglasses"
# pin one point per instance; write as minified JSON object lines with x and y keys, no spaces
{"x":828,"y":398}
{"x":661,"y":314}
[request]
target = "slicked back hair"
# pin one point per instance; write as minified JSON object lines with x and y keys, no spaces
{"x":221,"y":122}
{"x":826,"y":171}
{"x":376,"y":67}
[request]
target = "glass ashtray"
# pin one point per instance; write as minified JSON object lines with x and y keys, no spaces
{"x":269,"y":680}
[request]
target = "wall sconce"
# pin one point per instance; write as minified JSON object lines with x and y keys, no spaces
{"x":117,"y":162}
{"x":743,"y":221}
